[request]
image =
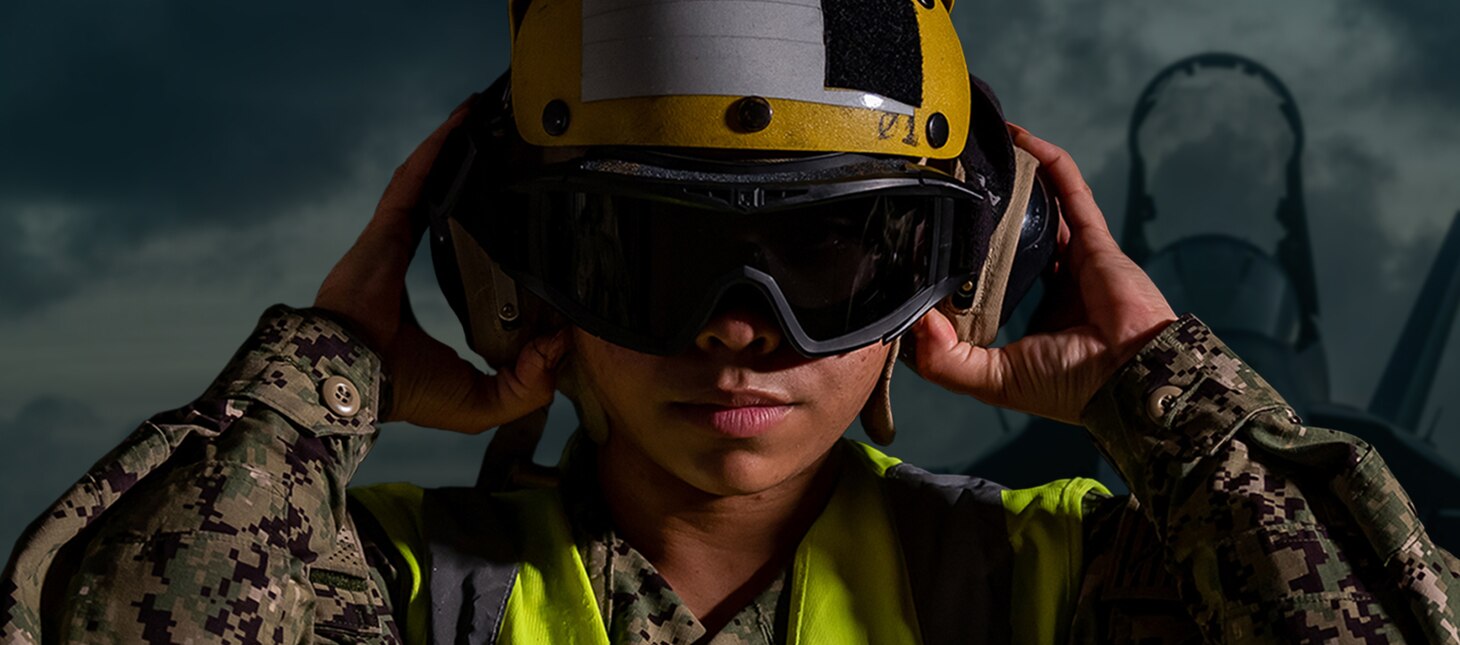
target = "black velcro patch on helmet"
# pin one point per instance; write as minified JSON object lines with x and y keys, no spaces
{"x":874,"y":46}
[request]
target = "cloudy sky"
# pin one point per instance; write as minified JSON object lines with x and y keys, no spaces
{"x":168,"y":170}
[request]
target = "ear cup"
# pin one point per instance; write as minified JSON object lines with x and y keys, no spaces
{"x":498,"y":318}
{"x":434,"y":196}
{"x":988,"y":157}
{"x":1012,"y":253}
{"x":461,"y":160}
{"x":1038,"y":236}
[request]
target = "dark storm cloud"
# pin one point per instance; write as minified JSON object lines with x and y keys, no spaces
{"x":157,"y":118}
{"x":1368,"y":275}
{"x":1051,"y":59}
{"x":62,"y":433}
{"x":1426,"y":30}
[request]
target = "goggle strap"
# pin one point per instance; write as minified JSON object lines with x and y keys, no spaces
{"x":877,"y":412}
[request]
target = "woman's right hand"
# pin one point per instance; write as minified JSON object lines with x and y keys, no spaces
{"x":1100,"y":310}
{"x":431,"y":385}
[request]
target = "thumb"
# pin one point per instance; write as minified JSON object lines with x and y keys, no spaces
{"x":941,"y":358}
{"x":530,"y":383}
{"x":435,"y":387}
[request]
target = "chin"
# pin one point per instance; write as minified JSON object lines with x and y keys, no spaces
{"x":737,"y":472}
{"x":751,"y":467}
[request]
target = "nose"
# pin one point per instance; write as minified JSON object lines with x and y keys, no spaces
{"x":741,"y":325}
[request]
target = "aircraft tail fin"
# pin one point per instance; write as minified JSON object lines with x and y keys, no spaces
{"x":1409,"y":377}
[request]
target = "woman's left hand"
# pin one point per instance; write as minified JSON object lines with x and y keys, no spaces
{"x":1099,"y":309}
{"x":433,"y":386}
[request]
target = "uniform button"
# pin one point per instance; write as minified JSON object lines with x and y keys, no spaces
{"x":1161,"y":401}
{"x":340,"y":396}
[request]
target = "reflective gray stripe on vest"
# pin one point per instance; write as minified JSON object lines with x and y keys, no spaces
{"x":473,"y":565}
{"x":955,"y":544}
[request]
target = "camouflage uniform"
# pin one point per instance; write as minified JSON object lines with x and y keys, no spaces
{"x":637,"y":604}
{"x":227,"y":521}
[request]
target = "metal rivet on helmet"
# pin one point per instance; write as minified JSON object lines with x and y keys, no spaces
{"x":751,"y":114}
{"x":555,"y":117}
{"x":962,"y":299}
{"x":937,"y":130}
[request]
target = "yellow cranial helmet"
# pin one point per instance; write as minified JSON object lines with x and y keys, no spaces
{"x":869,"y":76}
{"x":910,"y":194}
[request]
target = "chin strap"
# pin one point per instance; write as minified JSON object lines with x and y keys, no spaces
{"x":877,"y":413}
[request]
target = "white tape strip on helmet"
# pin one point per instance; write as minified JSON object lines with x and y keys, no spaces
{"x":769,"y":48}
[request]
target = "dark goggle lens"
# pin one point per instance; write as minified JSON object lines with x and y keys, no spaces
{"x":653,"y":268}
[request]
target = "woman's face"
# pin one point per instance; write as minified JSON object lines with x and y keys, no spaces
{"x":737,"y":413}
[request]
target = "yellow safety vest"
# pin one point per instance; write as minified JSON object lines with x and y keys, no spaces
{"x":899,"y":555}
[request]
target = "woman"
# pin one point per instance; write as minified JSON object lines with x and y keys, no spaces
{"x":710,"y":497}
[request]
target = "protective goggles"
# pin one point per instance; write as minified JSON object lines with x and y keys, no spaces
{"x":640,"y":248}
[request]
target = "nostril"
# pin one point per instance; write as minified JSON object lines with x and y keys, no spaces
{"x":742,"y":321}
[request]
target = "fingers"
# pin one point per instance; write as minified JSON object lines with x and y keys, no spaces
{"x":1096,"y":312}
{"x":439,"y":389}
{"x":529,"y":384}
{"x":1080,"y":209}
{"x":955,"y":365}
{"x":366,"y":286}
{"x":405,"y":187}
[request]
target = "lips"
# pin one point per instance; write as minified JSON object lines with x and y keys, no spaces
{"x":739,"y":414}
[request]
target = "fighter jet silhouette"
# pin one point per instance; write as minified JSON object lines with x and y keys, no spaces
{"x":1265,"y":306}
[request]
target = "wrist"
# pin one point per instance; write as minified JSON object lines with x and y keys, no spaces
{"x":308,"y":367}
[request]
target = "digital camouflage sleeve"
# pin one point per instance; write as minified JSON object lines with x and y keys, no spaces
{"x":226,"y":521}
{"x":223,"y":521}
{"x":1265,"y":530}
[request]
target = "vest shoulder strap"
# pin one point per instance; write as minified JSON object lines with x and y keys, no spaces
{"x":1017,"y":553}
{"x":461,"y":557}
{"x":951,"y":523}
{"x":474,"y":564}
{"x":1046,"y":533}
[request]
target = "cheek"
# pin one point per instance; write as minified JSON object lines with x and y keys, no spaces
{"x":623,"y":380}
{"x":843,"y":383}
